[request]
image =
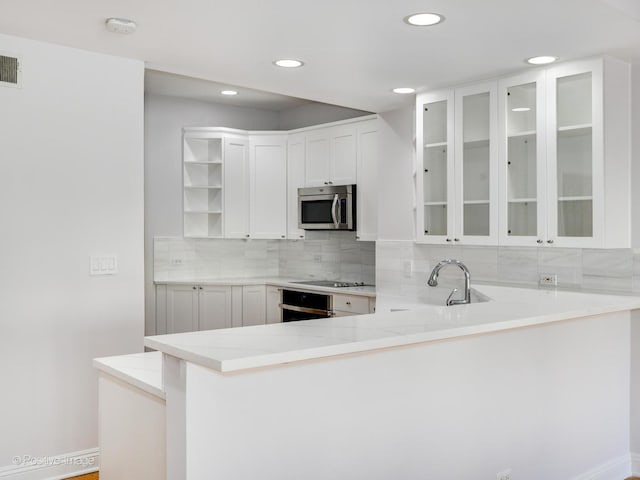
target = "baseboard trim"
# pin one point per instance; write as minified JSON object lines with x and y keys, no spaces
{"x":635,"y":464}
{"x":616,"y":469}
{"x":55,"y":467}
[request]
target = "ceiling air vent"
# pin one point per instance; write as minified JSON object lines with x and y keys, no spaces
{"x":9,"y":71}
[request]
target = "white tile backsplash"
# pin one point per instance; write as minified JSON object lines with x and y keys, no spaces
{"x":324,"y":255}
{"x":588,"y":269}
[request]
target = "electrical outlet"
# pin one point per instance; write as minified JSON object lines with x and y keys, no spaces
{"x":548,"y":279}
{"x":176,"y":261}
{"x":504,"y":475}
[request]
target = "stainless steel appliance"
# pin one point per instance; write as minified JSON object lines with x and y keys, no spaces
{"x":297,"y":305}
{"x":327,"y":208}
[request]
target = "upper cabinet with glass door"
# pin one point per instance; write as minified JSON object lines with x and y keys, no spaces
{"x":435,"y":172}
{"x":565,"y":161}
{"x":457,"y":191}
{"x":523,"y":160}
{"x":476,"y":172}
{"x":588,"y":158}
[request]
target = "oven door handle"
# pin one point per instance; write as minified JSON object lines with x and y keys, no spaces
{"x":334,"y":210}
{"x":295,"y":308}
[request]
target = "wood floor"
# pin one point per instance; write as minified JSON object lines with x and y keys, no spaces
{"x":95,"y":476}
{"x":89,"y":476}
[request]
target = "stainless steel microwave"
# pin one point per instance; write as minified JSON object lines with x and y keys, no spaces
{"x":327,"y":208}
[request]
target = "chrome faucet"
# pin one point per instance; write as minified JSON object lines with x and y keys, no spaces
{"x":433,"y":281}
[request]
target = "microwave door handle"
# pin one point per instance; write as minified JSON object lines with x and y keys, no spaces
{"x":334,"y":210}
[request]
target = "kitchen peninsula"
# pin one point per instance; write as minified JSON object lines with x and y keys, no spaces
{"x":530,"y":374}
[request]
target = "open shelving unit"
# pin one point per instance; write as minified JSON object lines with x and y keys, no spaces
{"x":203,"y":187}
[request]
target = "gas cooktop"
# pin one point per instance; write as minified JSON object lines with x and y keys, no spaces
{"x":331,"y":283}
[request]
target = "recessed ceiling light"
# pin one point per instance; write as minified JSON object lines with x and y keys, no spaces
{"x":543,"y":60}
{"x":423,"y":19}
{"x":404,"y":90}
{"x":229,"y":92}
{"x":520,"y":109}
{"x":120,"y":25}
{"x":288,"y":63}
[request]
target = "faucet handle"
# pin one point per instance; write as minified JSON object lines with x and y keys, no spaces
{"x":451,"y":295}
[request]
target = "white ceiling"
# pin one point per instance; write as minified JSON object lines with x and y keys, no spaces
{"x":355,"y":50}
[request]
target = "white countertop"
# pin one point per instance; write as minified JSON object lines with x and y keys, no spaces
{"x":229,"y":350}
{"x":144,"y":370}
{"x":366,"y":291}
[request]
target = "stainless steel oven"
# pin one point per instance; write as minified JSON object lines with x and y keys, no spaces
{"x":297,"y":305}
{"x":327,"y":208}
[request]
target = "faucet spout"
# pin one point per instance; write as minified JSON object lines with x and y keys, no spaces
{"x":433,"y":280}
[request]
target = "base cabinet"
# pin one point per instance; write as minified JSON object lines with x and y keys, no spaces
{"x":188,"y":308}
{"x":274,"y":299}
{"x":253,"y":305}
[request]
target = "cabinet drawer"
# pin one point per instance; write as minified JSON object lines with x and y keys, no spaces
{"x":351,"y":303}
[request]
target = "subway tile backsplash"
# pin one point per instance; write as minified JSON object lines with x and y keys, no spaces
{"x":398,"y":268}
{"x":323,"y":255}
{"x":612,"y":271}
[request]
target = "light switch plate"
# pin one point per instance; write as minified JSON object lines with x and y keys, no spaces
{"x":103,"y":264}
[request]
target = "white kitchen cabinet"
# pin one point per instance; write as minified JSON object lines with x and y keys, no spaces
{"x":435,"y":180}
{"x":268,"y":186}
{"x":331,"y":156}
{"x":236,"y":187}
{"x":367,"y":181}
{"x":350,"y":305}
{"x":565,"y":162}
{"x":189,"y":308}
{"x":295,"y":180}
{"x":253,"y":305}
{"x":274,"y":299}
{"x":202,"y":168}
{"x":457,"y":166}
{"x":182,"y":308}
{"x":214,"y":307}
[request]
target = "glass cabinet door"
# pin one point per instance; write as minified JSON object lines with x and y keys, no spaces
{"x":574,"y":156}
{"x":523,"y":205}
{"x":476,"y":187}
{"x":435,"y":155}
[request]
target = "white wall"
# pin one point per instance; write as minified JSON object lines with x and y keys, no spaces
{"x":395,"y":171}
{"x":533,"y":399}
{"x":71,"y":185}
{"x":315,"y":114}
{"x":635,"y":155}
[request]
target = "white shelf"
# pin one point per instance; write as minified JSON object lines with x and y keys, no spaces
{"x":208,"y":212}
{"x":476,"y":202}
{"x":435,"y":145}
{"x":209,"y":187}
{"x":202,"y":163}
{"x":575,"y":199}
{"x":575,"y":130}
{"x":528,"y":133}
{"x":484,"y":142}
{"x":203,"y":236}
{"x":434,"y":204}
{"x":522,"y":200}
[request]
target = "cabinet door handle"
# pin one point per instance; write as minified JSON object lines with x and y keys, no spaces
{"x":549,"y":242}
{"x":247,"y":236}
{"x":448,"y":240}
{"x":456,"y":239}
{"x":281,"y":236}
{"x":194,"y":287}
{"x":539,"y":241}
{"x":348,"y":302}
{"x":326,"y":183}
{"x":301,"y":236}
{"x":199,"y":288}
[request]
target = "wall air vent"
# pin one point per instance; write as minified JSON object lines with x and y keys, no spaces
{"x":9,"y":71}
